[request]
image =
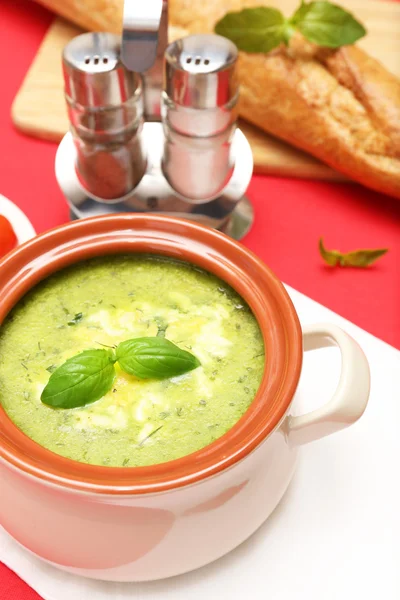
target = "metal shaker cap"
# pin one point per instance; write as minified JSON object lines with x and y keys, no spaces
{"x":94,"y":74}
{"x":200,"y":71}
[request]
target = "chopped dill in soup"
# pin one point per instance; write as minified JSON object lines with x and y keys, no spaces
{"x":102,"y":302}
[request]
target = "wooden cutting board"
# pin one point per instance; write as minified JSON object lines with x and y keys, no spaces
{"x":39,"y":107}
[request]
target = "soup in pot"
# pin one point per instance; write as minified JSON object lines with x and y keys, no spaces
{"x":102,"y":302}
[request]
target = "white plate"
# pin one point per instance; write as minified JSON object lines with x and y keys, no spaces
{"x":20,"y":223}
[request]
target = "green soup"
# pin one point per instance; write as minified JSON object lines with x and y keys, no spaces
{"x":139,"y":422}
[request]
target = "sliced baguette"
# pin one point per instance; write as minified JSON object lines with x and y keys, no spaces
{"x":333,"y":108}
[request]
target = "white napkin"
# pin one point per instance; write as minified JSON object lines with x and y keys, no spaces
{"x":335,"y":534}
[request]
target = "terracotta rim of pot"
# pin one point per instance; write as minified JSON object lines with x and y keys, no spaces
{"x":33,"y":261}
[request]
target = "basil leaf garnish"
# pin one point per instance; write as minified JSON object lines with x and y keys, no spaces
{"x":254,"y":29}
{"x":88,"y":376}
{"x":261,"y":29}
{"x":82,"y":379}
{"x":327,"y":24}
{"x":154,"y":358}
{"x":357,"y":258}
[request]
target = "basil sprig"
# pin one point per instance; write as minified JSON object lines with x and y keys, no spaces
{"x":262,"y":28}
{"x":88,"y":376}
{"x":357,"y":258}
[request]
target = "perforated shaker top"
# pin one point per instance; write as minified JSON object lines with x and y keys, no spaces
{"x":200,"y":71}
{"x":93,"y":71}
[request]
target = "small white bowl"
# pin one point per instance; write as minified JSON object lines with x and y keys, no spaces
{"x":20,"y":223}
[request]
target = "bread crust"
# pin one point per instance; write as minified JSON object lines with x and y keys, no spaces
{"x":92,"y":15}
{"x":298,"y":99}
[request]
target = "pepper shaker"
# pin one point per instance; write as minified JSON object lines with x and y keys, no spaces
{"x":105,"y":107}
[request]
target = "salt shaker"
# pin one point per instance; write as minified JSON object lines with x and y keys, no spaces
{"x":199,"y":113}
{"x":105,"y":107}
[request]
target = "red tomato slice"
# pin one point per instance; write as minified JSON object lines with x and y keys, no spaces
{"x":8,"y":239}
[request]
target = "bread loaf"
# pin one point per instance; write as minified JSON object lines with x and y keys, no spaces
{"x":342,"y":106}
{"x":332,"y":107}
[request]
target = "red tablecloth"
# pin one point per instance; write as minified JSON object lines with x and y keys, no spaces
{"x":290,"y":215}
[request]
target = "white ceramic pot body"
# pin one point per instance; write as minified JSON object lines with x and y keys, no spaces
{"x":139,"y":538}
{"x":152,"y":536}
{"x":138,"y":524}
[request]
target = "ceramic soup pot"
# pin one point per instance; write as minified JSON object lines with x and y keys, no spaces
{"x":146,"y":523}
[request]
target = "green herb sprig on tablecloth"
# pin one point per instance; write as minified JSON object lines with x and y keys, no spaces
{"x":357,"y":258}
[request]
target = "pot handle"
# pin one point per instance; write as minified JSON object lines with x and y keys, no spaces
{"x":351,"y":396}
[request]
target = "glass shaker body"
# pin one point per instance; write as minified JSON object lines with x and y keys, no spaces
{"x":105,"y":107}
